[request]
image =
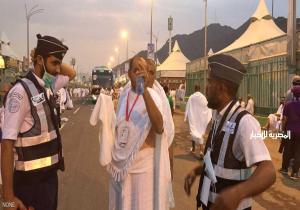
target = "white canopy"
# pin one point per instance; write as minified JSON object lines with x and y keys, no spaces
{"x":261,"y":28}
{"x":210,"y":52}
{"x":6,"y":48}
{"x":176,"y":60}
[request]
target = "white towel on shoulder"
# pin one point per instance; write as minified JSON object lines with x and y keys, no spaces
{"x":104,"y":112}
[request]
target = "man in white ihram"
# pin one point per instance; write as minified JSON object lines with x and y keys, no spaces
{"x":199,"y":116}
{"x":250,"y":105}
{"x":140,"y":176}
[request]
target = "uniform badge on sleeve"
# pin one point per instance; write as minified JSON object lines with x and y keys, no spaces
{"x":13,"y":105}
{"x":15,"y":95}
{"x":38,"y":99}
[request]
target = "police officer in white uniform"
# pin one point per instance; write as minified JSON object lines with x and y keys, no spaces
{"x":31,"y":149}
{"x":227,"y":182}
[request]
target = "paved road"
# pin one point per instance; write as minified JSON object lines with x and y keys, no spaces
{"x":84,"y":184}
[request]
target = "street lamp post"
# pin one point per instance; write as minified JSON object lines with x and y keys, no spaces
{"x":151,"y":33}
{"x":292,"y":36}
{"x":127,"y":48}
{"x":272,"y":8}
{"x":124,"y":35}
{"x":118,"y":60}
{"x":170,"y":28}
{"x":118,"y":55}
{"x":205,"y":41}
{"x":205,"y":36}
{"x":111,"y":60}
{"x":156,"y":40}
{"x":30,"y":13}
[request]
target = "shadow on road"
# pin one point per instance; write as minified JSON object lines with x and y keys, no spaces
{"x":290,"y":183}
{"x":281,"y":201}
{"x":188,"y":157}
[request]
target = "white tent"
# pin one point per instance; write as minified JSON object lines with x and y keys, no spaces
{"x":261,"y":28}
{"x":6,"y":49}
{"x":176,"y":60}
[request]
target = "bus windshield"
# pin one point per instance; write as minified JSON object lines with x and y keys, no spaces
{"x":102,"y":77}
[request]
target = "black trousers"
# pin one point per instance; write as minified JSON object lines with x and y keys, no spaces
{"x":292,"y":150}
{"x":41,"y":195}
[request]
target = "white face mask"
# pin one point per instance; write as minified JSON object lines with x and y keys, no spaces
{"x":209,"y":169}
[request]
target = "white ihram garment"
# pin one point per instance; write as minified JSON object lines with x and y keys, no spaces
{"x":62,"y":98}
{"x":104,"y":112}
{"x":275,"y":121}
{"x":133,"y":190}
{"x":250,"y":106}
{"x":198,"y":115}
{"x":173,"y":95}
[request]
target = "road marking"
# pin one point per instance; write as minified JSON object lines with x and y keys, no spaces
{"x":76,"y":110}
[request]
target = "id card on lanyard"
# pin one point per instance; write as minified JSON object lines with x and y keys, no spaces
{"x":124,"y":130}
{"x":205,"y":190}
{"x":211,"y":179}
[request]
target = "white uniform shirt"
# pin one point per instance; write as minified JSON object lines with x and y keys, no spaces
{"x":17,"y":113}
{"x":244,"y":148}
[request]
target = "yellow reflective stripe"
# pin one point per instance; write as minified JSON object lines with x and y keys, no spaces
{"x":35,"y":140}
{"x":36,"y":164}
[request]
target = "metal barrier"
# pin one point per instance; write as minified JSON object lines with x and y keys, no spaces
{"x":266,"y":80}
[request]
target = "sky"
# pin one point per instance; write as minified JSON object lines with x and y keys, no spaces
{"x":92,"y":28}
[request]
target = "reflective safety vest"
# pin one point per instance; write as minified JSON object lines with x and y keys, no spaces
{"x":39,"y":149}
{"x":228,"y":170}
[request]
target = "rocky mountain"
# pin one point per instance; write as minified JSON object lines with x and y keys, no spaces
{"x":192,"y":45}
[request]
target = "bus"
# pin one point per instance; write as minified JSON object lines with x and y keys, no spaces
{"x":102,"y":77}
